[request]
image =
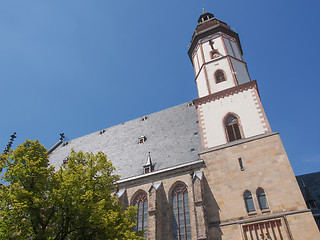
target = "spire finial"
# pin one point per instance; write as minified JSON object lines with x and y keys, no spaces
{"x":203,"y":11}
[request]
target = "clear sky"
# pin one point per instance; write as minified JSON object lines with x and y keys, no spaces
{"x":77,"y":66}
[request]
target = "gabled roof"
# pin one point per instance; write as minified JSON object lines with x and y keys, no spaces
{"x":172,"y":137}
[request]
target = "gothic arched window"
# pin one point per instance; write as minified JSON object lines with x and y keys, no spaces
{"x":220,"y":77}
{"x":141,"y":201}
{"x":249,"y":201}
{"x":261,"y":195}
{"x":181,"y":215}
{"x":232,"y":126}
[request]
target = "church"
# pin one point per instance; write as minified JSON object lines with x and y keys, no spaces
{"x":210,"y":168}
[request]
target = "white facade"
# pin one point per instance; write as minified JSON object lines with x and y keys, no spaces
{"x":224,"y":88}
{"x":227,"y":58}
{"x":244,"y":104}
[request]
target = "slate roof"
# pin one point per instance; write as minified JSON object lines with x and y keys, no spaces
{"x":310,"y":187}
{"x":172,"y":137}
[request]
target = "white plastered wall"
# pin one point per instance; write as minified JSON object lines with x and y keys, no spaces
{"x":195,"y":64}
{"x":202,"y":85}
{"x":224,"y":65}
{"x":235,"y":71}
{"x":243,"y":104}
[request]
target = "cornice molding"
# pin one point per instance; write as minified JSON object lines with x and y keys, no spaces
{"x":163,"y":172}
{"x":257,"y":219}
{"x":225,"y":93}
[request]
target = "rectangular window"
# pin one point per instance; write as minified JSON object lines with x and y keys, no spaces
{"x":241,"y":164}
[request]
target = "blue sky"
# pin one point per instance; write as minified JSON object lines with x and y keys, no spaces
{"x":78,"y":66}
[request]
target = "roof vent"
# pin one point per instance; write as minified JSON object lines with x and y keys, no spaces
{"x":144,"y":118}
{"x":102,"y":131}
{"x":190,"y":104}
{"x":142,"y":139}
{"x":65,"y":144}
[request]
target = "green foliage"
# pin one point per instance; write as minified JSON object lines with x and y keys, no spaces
{"x":75,"y":202}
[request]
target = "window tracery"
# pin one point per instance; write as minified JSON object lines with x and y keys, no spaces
{"x":232,"y":127}
{"x":181,"y":215}
{"x":141,"y":201}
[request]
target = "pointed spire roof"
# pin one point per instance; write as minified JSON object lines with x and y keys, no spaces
{"x":148,"y":162}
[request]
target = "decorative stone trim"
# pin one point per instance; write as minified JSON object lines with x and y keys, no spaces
{"x":204,"y":142}
{"x":192,"y":166}
{"x":256,"y":219}
{"x":225,"y":93}
{"x":237,"y":142}
{"x":216,"y":96}
{"x":261,"y":112}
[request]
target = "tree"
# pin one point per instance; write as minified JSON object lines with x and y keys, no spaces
{"x":75,"y":202}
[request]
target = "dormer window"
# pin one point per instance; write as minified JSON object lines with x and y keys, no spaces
{"x":142,"y":139}
{"x":144,"y":118}
{"x":148,"y":166}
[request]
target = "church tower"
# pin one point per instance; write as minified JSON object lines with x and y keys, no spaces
{"x":250,"y":191}
{"x":229,"y":105}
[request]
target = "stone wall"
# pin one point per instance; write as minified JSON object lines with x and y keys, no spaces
{"x":215,"y":193}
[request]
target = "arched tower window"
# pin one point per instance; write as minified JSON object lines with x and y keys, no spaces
{"x":261,"y":195}
{"x":181,"y":215}
{"x":141,"y":201}
{"x":249,"y":201}
{"x":232,"y":126}
{"x":220,"y":76}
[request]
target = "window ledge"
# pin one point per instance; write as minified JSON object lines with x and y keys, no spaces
{"x":265,"y":210}
{"x":252,"y":213}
